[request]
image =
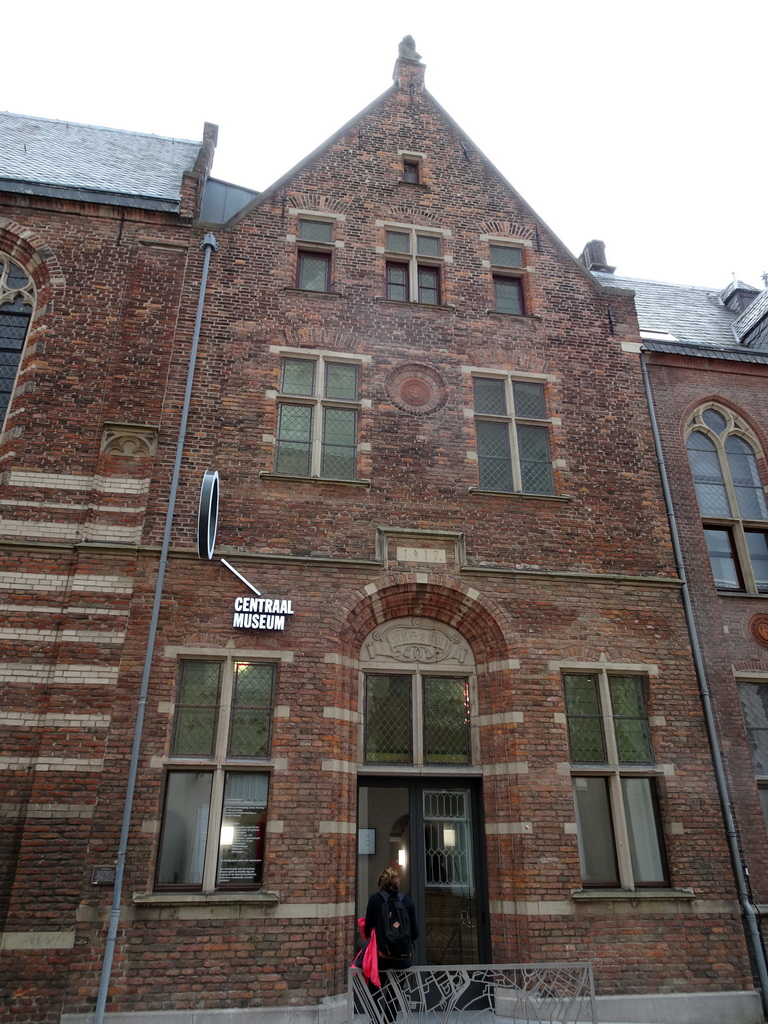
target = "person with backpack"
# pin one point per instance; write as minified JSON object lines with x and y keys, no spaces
{"x":392,"y":916}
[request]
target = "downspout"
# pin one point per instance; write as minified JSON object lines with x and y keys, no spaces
{"x":209,"y":244}
{"x":737,"y":861}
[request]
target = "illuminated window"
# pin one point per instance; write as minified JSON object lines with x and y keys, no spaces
{"x":215,"y":810}
{"x":723,"y":456}
{"x":317,"y":418}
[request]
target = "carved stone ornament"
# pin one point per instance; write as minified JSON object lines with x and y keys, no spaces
{"x":407,"y":49}
{"x":423,"y":641}
{"x":133,"y":440}
{"x":758,"y":628}
{"x":416,"y":389}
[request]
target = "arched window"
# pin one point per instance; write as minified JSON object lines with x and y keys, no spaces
{"x":17,"y":300}
{"x":723,"y":458}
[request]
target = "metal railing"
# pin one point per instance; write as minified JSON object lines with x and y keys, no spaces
{"x":555,"y":993}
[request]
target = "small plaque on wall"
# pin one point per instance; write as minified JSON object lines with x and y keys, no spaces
{"x":366,"y":840}
{"x":104,"y":875}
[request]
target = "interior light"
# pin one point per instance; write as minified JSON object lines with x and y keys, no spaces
{"x":449,"y":837}
{"x":227,"y":835}
{"x":401,"y":857}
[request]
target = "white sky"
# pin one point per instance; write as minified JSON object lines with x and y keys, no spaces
{"x":637,"y":123}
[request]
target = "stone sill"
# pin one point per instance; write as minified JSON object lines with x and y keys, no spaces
{"x":145,"y":899}
{"x":414,"y":184}
{"x":742,"y":594}
{"x":522,"y":494}
{"x":311,"y":291}
{"x":622,"y":895}
{"x":409,"y":305}
{"x":513,"y":316}
{"x":315,"y":480}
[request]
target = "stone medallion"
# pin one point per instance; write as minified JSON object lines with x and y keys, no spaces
{"x":758,"y":628}
{"x":416,"y":389}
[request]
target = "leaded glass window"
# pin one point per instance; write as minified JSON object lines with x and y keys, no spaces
{"x":723,"y":455}
{"x":222,"y":720}
{"x":313,"y":259}
{"x":617,"y":813}
{"x":417,"y":719}
{"x":317,"y":437}
{"x":513,"y":450}
{"x":17,"y":300}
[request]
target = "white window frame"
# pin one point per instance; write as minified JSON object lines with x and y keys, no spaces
{"x":614,"y":771}
{"x":414,"y":260}
{"x":219,"y":764}
{"x":319,"y":403}
{"x":512,"y":420}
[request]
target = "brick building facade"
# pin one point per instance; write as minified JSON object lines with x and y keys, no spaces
{"x":441,"y":628}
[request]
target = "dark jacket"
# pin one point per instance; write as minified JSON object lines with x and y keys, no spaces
{"x":372,"y":916}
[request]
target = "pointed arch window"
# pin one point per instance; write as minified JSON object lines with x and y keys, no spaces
{"x":723,"y":455}
{"x":17,"y":300}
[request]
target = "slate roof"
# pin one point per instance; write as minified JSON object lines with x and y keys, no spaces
{"x":690,"y":320}
{"x":60,"y":158}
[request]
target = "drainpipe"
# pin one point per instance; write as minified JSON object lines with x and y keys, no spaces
{"x":209,"y":244}
{"x":737,"y":860}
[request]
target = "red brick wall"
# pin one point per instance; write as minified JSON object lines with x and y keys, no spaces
{"x":586,"y":575}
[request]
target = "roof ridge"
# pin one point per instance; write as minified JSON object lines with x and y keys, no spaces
{"x":99,"y":127}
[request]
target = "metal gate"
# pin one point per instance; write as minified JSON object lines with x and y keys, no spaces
{"x":555,"y":993}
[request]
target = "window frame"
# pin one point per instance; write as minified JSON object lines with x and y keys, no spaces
{"x":737,"y":526}
{"x":415,"y":262}
{"x":319,"y":404}
{"x":417,"y":719}
{"x":24,"y":297}
{"x":761,"y":777}
{"x":220,"y":764}
{"x":309,"y":248}
{"x":616,"y":772}
{"x":503,"y":273}
{"x":513,"y":422}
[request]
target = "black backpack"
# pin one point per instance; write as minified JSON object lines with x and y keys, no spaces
{"x":393,"y":934}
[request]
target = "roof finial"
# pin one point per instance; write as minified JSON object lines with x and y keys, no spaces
{"x":406,"y":49}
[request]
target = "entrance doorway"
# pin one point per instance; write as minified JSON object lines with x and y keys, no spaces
{"x":429,"y":831}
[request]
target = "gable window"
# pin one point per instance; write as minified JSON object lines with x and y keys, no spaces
{"x":313,"y":260}
{"x":731,"y":497}
{"x":411,"y":171}
{"x":617,"y":814}
{"x":317,"y":418}
{"x":413,"y":266}
{"x":506,"y":271}
{"x":215,"y":810}
{"x":754,"y":706}
{"x":17,"y":299}
{"x":512,"y":436}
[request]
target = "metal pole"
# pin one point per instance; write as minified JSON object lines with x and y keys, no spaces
{"x":723,"y":793}
{"x":209,"y":244}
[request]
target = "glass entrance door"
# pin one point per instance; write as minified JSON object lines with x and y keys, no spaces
{"x":428,"y":832}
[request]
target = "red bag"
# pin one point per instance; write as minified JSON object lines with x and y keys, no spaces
{"x":368,"y":957}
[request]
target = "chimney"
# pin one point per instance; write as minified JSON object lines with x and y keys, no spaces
{"x":593,"y":257}
{"x":409,"y":71}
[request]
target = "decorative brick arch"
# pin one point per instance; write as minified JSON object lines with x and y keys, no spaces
{"x":481,"y":622}
{"x":34,"y":255}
